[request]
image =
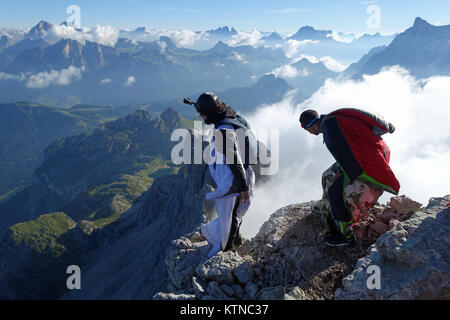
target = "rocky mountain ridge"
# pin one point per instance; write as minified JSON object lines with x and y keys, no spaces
{"x":287,"y":259}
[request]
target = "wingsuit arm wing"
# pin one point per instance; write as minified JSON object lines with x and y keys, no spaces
{"x":235,"y":164}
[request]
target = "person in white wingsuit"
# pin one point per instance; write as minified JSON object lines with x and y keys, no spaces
{"x":233,"y":151}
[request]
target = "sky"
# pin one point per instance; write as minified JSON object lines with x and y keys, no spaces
{"x":284,"y":16}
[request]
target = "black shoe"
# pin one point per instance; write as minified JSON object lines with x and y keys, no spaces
{"x":334,"y":239}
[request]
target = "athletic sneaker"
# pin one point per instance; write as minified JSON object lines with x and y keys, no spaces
{"x":334,"y":239}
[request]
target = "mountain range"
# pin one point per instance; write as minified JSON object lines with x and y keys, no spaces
{"x":97,"y":175}
{"x":138,"y":72}
{"x":118,"y":175}
{"x":26,"y":129}
{"x":423,"y":49}
{"x":69,"y":72}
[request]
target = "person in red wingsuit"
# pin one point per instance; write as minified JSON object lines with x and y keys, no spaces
{"x":361,"y":172}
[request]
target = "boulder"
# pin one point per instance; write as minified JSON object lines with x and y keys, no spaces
{"x":413,"y":259}
{"x":244,"y":272}
{"x":251,"y":289}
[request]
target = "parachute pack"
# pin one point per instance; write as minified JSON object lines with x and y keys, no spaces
{"x":252,"y":145}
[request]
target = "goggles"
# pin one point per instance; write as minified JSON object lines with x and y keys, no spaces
{"x":310,"y":124}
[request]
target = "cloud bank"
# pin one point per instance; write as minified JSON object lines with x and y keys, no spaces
{"x":252,"y":38}
{"x":287,"y":71}
{"x":420,"y":146}
{"x":130,"y":81}
{"x":44,"y":79}
{"x":105,"y":35}
{"x":62,"y":77}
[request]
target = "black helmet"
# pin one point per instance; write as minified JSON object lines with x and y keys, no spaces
{"x":207,"y":104}
{"x":308,"y":118}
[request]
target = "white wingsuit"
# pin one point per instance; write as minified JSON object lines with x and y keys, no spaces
{"x":217,"y":231}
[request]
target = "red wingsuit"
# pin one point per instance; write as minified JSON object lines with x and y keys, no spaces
{"x":354,"y":139}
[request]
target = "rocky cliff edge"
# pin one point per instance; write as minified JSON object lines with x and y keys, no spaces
{"x":288,"y":259}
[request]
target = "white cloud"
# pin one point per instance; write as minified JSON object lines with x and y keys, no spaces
{"x":291,"y":47}
{"x":163,"y":46}
{"x":61,"y":77}
{"x":340,"y":37}
{"x":252,"y":38}
{"x":237,"y":57}
{"x":105,"y":35}
{"x":130,"y":81}
{"x":288,"y":71}
{"x":106,"y":80}
{"x":181,"y":38}
{"x":332,"y":64}
{"x":184,"y":38}
{"x":420,"y":145}
{"x":10,"y":76}
{"x":15,"y":33}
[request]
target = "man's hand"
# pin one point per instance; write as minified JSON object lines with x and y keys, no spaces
{"x":244,"y":196}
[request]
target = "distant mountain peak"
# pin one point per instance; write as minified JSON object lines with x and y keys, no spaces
{"x":223,"y":31}
{"x":44,"y":25}
{"x":220,"y":44}
{"x":124,"y":43}
{"x":307,"y":28}
{"x":419,"y":22}
{"x":171,"y":117}
{"x":274,"y":36}
{"x":5,"y":41}
{"x":305,"y":62}
{"x":270,"y":80}
{"x":39,"y":30}
{"x":422,"y":49}
{"x":370,"y":36}
{"x":140,"y":30}
{"x":168,"y":41}
{"x":266,"y":77}
{"x":309,"y":33}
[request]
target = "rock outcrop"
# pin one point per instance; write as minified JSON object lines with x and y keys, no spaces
{"x":287,"y":259}
{"x":378,"y":219}
{"x":413,"y":259}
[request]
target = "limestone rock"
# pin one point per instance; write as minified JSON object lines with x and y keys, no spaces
{"x":271,"y":293}
{"x":244,"y":272}
{"x":288,"y":259}
{"x":219,"y":268}
{"x":413,"y":258}
{"x":251,"y":289}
